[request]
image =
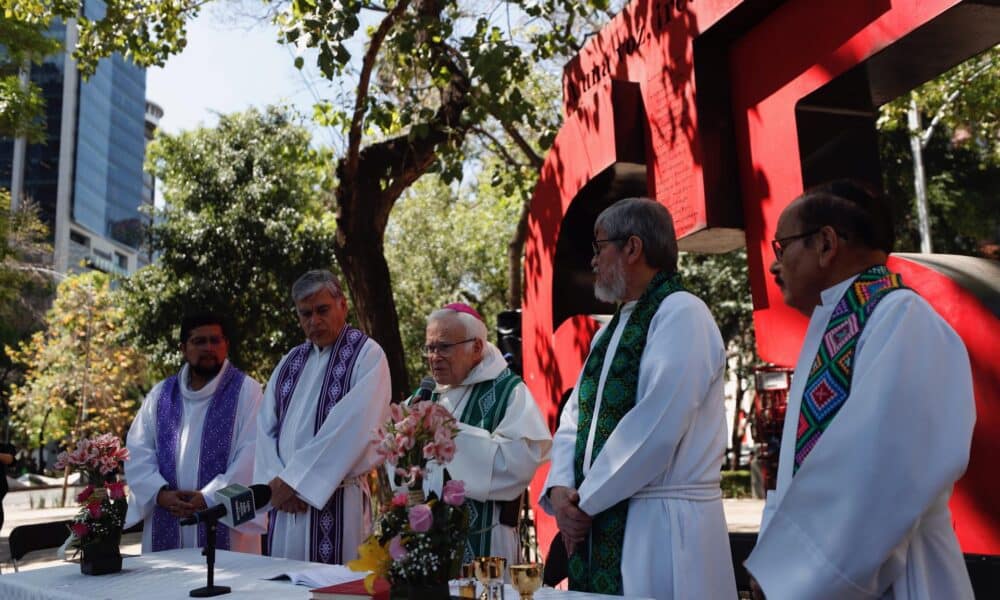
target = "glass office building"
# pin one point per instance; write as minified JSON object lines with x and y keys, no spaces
{"x":100,"y":169}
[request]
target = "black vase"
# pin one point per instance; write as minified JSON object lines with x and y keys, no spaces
{"x":101,"y":557}
{"x":412,"y":591}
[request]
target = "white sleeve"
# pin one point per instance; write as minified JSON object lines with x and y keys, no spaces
{"x":500,"y":465}
{"x":682,"y":360}
{"x":345,"y":439}
{"x":142,"y":472}
{"x":895,"y":448}
{"x":267,"y":463}
{"x":563,"y":447}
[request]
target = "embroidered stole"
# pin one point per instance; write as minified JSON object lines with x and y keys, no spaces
{"x":326,"y":524}
{"x":601,"y":571}
{"x":213,"y":457}
{"x":485,"y":409}
{"x":829,"y":383}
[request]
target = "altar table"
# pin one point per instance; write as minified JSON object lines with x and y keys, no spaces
{"x":171,"y":575}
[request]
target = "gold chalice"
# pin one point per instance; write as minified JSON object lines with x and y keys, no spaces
{"x":467,"y":584}
{"x":526,"y":579}
{"x":489,"y":572}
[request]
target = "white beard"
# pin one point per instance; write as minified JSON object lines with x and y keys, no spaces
{"x":612,"y":290}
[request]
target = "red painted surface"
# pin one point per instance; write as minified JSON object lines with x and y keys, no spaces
{"x":789,"y":53}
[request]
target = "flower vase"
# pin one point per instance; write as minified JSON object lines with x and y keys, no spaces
{"x":101,"y":557}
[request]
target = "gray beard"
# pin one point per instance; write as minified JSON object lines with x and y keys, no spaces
{"x":614,"y":290}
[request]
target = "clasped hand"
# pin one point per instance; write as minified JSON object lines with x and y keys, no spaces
{"x":573,"y":523}
{"x":284,"y":499}
{"x":181,"y":503}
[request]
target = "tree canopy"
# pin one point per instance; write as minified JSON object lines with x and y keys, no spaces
{"x":82,"y":376}
{"x":246,"y":215}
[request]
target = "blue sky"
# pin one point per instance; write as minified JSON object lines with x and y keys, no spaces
{"x":226,"y":67}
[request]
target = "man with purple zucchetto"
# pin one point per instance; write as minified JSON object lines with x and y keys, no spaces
{"x":323,"y":401}
{"x":194,"y":434}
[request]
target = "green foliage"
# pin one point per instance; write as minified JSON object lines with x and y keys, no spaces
{"x":244,"y":218}
{"x":445,"y":245}
{"x":736,"y":484}
{"x":961,"y":110}
{"x":79,"y":358}
{"x":25,"y":288}
{"x":22,"y":106}
{"x":722,"y":281}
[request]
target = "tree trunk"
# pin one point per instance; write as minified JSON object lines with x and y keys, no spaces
{"x":737,"y":440}
{"x":515,"y":253}
{"x":919,"y":177}
{"x":367,"y":277}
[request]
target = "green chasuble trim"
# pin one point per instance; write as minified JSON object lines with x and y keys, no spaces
{"x":596,"y":565}
{"x":485,"y":409}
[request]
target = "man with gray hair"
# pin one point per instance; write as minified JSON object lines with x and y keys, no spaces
{"x":502,"y":438}
{"x":322,"y":402}
{"x":634,"y":481}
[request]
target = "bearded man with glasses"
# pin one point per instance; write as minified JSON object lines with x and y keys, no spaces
{"x":195,"y":433}
{"x":502,"y":438}
{"x":634,"y":481}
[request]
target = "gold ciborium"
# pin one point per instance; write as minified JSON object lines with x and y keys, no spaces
{"x":526,"y":579}
{"x":489,"y":572}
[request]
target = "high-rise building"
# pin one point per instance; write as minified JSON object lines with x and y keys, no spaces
{"x":87,"y":177}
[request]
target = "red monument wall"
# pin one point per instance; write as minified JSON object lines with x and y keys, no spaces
{"x":724,"y":111}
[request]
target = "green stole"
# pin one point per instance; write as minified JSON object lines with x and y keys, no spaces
{"x":601,"y":571}
{"x":485,"y":409}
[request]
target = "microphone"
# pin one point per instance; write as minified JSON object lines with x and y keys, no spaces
{"x":427,"y":385}
{"x":238,"y":504}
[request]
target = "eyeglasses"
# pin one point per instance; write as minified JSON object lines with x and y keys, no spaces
{"x":214,"y":340}
{"x":442,"y":349}
{"x":779,"y":244}
{"x":596,"y":244}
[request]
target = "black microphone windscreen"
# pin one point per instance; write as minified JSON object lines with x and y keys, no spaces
{"x":261,"y":494}
{"x":427,"y":385}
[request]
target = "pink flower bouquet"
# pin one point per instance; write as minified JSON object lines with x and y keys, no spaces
{"x":103,"y":500}
{"x":417,"y":542}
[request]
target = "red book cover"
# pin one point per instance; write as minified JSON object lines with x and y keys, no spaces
{"x":352,"y":590}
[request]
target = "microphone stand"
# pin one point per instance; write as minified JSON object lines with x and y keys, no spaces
{"x":209,"y":553}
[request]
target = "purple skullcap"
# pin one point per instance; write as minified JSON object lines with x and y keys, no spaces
{"x":464,"y":308}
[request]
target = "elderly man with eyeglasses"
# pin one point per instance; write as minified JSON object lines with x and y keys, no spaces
{"x":502,"y":438}
{"x":194,"y":434}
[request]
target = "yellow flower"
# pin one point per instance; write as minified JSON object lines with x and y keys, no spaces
{"x":373,"y":557}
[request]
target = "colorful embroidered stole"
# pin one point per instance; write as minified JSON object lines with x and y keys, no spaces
{"x":213,"y":458}
{"x":601,"y":571}
{"x":326,"y":525}
{"x":829,"y":382}
{"x":485,"y":409}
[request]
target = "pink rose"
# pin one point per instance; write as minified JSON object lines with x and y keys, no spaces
{"x":421,"y":518}
{"x":396,"y":549}
{"x":80,"y":530}
{"x":116,"y":490}
{"x":85,"y":494}
{"x":399,"y":500}
{"x":454,"y":492}
{"x":94,"y":508}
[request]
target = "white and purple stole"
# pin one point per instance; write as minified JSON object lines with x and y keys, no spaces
{"x":326,"y":524}
{"x":216,"y":439}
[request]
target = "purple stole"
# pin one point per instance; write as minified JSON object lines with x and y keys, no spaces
{"x":326,"y":524}
{"x":216,"y":439}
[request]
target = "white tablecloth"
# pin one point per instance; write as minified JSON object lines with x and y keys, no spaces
{"x":172,"y":574}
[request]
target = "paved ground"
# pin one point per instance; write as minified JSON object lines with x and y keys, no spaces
{"x":741,"y":515}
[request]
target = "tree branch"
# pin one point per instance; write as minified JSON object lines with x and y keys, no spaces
{"x":364,"y":81}
{"x":498,"y":146}
{"x":533,"y":157}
